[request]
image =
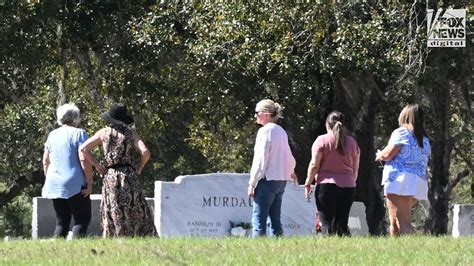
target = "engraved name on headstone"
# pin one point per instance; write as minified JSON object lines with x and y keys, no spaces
{"x":205,"y":205}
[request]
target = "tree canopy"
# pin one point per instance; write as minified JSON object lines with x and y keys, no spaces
{"x":192,"y":73}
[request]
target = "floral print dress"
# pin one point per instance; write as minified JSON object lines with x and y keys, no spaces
{"x":124,"y":211}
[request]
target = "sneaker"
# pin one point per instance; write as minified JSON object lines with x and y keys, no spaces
{"x":70,"y":236}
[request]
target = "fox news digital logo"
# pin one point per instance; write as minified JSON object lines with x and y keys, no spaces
{"x":447,"y":28}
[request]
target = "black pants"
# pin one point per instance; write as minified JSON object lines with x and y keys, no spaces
{"x":78,"y":207}
{"x":334,"y":204}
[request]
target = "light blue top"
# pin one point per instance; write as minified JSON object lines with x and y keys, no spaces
{"x":410,"y":159}
{"x":65,"y":176}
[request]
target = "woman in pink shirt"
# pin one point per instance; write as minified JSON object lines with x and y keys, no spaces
{"x":334,"y":164}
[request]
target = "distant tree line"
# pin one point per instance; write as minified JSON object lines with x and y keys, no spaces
{"x":193,"y":72}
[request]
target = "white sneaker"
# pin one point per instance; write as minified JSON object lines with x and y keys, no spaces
{"x":70,"y":236}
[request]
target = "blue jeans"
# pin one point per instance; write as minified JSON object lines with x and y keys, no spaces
{"x":267,"y":202}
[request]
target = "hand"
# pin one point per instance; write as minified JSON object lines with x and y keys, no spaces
{"x":101,"y":169}
{"x":87,"y":191}
{"x":138,"y":170}
{"x":251,"y":191}
{"x":308,"y":190}
{"x":377,"y":156}
{"x":294,"y":178}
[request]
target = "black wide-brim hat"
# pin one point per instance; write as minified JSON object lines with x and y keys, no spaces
{"x":117,"y":115}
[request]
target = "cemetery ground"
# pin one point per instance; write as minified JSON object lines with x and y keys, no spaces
{"x":409,"y":250}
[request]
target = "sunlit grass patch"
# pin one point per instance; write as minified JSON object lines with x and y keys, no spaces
{"x":413,"y":250}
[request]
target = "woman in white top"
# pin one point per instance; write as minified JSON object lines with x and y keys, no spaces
{"x":405,"y":171}
{"x":273,"y":164}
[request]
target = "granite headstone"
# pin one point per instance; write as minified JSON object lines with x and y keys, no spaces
{"x":44,"y":217}
{"x":207,"y":204}
{"x":463,"y":220}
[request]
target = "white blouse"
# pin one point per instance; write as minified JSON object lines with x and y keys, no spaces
{"x":272,"y":155}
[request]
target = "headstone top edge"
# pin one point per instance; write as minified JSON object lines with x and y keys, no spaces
{"x":181,"y":178}
{"x":464,"y":205}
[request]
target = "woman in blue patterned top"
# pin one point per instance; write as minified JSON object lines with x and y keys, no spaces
{"x":405,"y":174}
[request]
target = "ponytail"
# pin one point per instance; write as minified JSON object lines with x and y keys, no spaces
{"x":271,"y":107}
{"x":335,"y":120}
{"x":277,"y":112}
{"x":338,"y":131}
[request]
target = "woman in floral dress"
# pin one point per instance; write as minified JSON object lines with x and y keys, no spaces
{"x":124,"y":211}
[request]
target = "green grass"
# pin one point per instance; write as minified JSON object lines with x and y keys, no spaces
{"x":414,"y":250}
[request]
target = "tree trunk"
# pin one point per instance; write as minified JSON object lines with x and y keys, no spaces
{"x":19,"y":185}
{"x":437,"y":221}
{"x":470,"y":92}
{"x":85,"y":64}
{"x":449,"y":82}
{"x":472,"y":190}
{"x":62,"y":98}
{"x":440,"y":100}
{"x":357,"y":96}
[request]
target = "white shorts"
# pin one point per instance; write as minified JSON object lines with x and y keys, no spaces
{"x":408,"y":184}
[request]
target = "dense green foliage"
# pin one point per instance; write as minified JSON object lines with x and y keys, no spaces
{"x":235,"y":251}
{"x":193,"y":72}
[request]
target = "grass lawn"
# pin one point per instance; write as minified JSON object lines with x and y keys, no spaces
{"x":413,"y":250}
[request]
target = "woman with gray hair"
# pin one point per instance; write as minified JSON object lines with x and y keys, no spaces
{"x":273,"y":165}
{"x":68,"y":174}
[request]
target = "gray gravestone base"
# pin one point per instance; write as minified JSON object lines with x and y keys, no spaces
{"x":205,"y":205}
{"x":463,"y":220}
{"x":44,"y":217}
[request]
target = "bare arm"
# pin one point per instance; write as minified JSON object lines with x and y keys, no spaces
{"x":356,"y":166}
{"x":387,"y":153}
{"x":86,"y":148}
{"x":144,"y":153}
{"x":87,"y":168}
{"x":313,"y":168}
{"x":46,"y":162}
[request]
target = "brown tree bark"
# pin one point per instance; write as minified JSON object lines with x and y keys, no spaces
{"x":448,"y":82}
{"x":62,"y":96}
{"x":357,"y":96}
{"x":17,"y":187}
{"x":85,"y":64}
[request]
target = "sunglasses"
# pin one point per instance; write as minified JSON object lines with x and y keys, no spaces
{"x":257,"y":113}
